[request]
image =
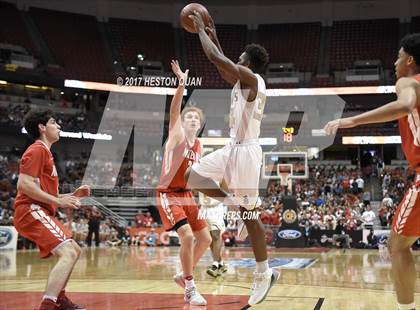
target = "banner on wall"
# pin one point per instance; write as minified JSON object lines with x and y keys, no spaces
{"x":8,"y":238}
{"x":290,"y":235}
{"x":163,"y":238}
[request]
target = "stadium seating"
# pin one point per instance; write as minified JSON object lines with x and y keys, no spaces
{"x":154,"y":40}
{"x":415,"y":24}
{"x":12,"y":27}
{"x":296,"y":43}
{"x":365,"y":40}
{"x":76,"y":43}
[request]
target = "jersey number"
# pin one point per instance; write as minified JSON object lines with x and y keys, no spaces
{"x":258,"y":114}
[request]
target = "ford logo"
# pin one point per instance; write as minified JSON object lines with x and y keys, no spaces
{"x":5,"y":237}
{"x":289,"y":234}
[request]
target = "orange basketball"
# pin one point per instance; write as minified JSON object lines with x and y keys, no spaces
{"x":188,"y":10}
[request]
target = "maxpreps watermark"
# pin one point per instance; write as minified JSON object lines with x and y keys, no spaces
{"x":215,"y":214}
{"x":158,"y":81}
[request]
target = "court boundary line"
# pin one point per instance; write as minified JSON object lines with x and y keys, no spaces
{"x":319,"y":304}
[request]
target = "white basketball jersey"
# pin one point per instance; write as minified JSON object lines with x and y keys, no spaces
{"x":245,"y":117}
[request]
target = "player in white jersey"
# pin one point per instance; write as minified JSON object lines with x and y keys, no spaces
{"x":238,"y":164}
{"x":214,"y":213}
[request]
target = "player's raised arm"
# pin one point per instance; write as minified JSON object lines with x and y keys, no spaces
{"x":407,"y":90}
{"x":211,"y":31}
{"x":231,"y":72}
{"x":176,"y":132}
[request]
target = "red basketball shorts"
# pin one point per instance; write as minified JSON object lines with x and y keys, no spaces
{"x":406,"y":221}
{"x":175,"y":207}
{"x":36,"y":224}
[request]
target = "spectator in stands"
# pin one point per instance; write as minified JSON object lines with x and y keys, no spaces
{"x":306,"y":225}
{"x":151,"y":238}
{"x":368,"y":217}
{"x":139,"y":218}
{"x":360,"y":184}
{"x":387,"y":201}
{"x":382,"y":214}
{"x":95,"y":217}
{"x":340,"y":235}
{"x":366,"y":198}
{"x":386,"y":182}
{"x":372,"y":240}
{"x":121,"y":236}
{"x":147,"y":220}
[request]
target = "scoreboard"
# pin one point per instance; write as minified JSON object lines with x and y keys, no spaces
{"x":288,"y":134}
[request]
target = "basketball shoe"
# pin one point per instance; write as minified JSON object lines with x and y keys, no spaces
{"x":193,"y":297}
{"x":262,"y":285}
{"x":48,"y":304}
{"x":64,"y":303}
{"x":222,"y":268}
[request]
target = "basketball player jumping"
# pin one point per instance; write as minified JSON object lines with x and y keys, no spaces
{"x":36,"y":202}
{"x":406,"y":109}
{"x":176,"y":204}
{"x":238,"y":163}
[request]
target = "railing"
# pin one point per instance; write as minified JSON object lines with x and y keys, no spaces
{"x":119,"y":220}
{"x":112,"y":191}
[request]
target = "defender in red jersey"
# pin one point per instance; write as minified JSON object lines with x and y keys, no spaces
{"x":175,"y":202}
{"x":36,"y":203}
{"x":406,"y":109}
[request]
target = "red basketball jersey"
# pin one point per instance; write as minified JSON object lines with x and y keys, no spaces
{"x":175,"y":163}
{"x":410,"y":134}
{"x":38,"y":162}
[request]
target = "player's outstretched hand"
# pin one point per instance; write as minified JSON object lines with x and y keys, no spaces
{"x":198,"y":21}
{"x":82,"y":191}
{"x":211,"y":30}
{"x":332,"y":127}
{"x":69,"y":202}
{"x":182,"y":76}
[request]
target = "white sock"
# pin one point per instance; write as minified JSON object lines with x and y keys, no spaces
{"x":262,"y":266}
{"x":406,"y":306}
{"x":53,"y":298}
{"x":189,"y":284}
{"x":216,"y":264}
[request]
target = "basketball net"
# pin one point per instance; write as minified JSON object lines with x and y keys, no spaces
{"x":284,"y":171}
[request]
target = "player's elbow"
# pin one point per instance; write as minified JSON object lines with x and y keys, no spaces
{"x":22,"y":185}
{"x":217,"y":59}
{"x":408,"y":106}
{"x":214,"y":58}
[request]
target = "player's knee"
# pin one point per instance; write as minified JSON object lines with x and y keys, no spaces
{"x":77,"y":249}
{"x":215,"y":235}
{"x":397,"y":245}
{"x":187,"y":239}
{"x":186,"y":235}
{"x":206,"y":240}
{"x":70,"y":254}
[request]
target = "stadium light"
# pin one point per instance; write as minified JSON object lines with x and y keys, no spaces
{"x":372,"y":140}
{"x":362,"y":90}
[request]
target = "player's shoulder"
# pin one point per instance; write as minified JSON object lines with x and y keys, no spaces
{"x":261,"y":81}
{"x":408,"y":82}
{"x":198,"y":142}
{"x":36,"y":146}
